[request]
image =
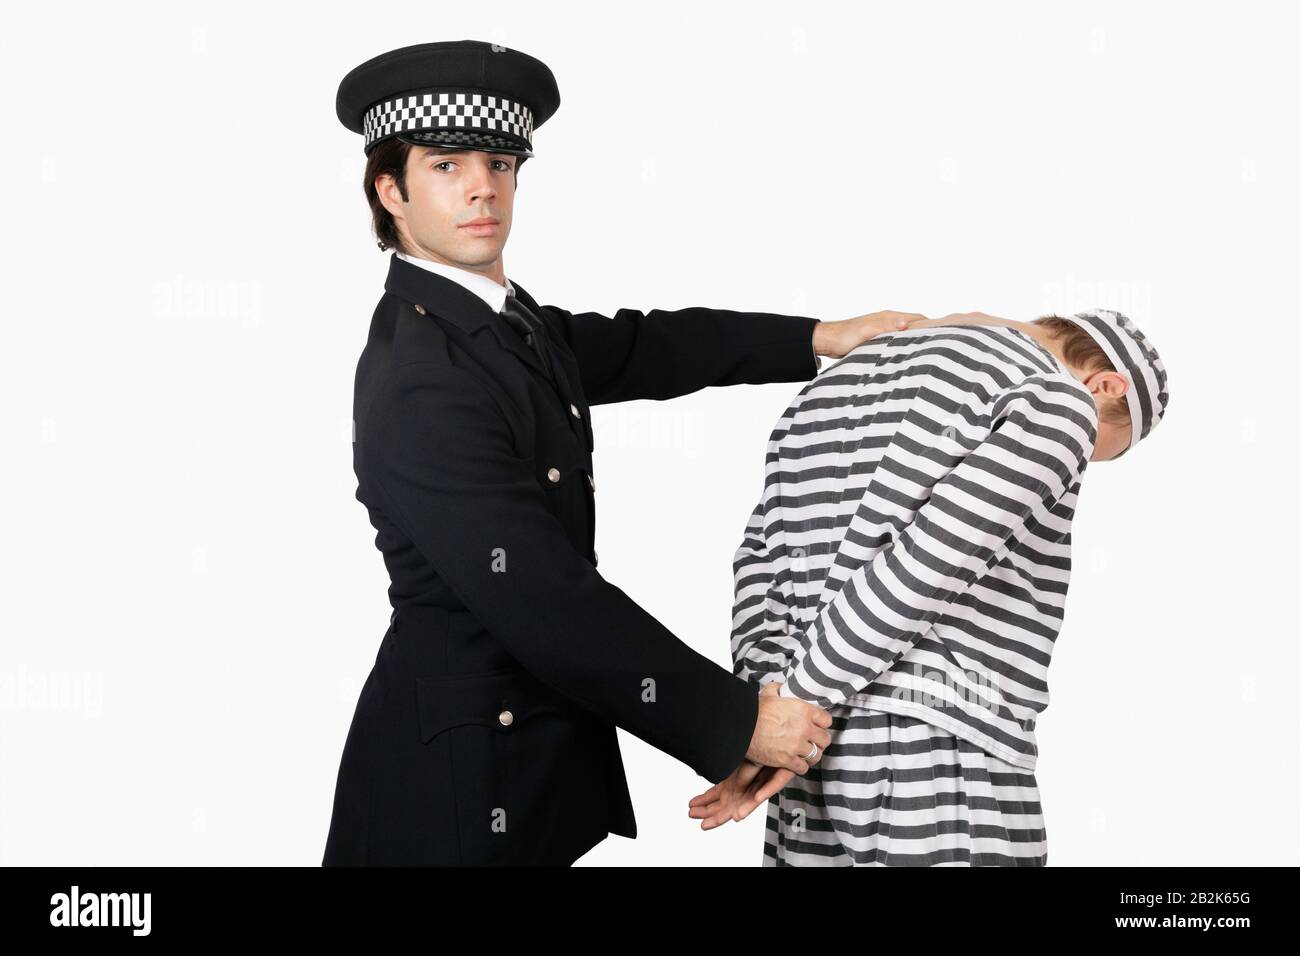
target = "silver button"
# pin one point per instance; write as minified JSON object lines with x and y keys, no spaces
{"x":553,"y":474}
{"x":574,"y":410}
{"x":506,"y":718}
{"x":591,"y":481}
{"x":419,"y":308}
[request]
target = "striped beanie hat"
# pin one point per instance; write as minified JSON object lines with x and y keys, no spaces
{"x":1135,"y":358}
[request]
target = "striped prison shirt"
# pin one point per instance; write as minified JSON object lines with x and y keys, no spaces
{"x":910,"y":552}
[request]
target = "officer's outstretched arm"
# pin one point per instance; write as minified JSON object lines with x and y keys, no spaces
{"x":662,"y":354}
{"x":448,"y":474}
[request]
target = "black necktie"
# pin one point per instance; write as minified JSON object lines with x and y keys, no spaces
{"x":530,"y":328}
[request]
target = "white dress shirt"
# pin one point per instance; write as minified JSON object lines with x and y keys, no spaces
{"x":483,"y":287}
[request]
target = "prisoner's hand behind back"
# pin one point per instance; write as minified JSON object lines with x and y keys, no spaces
{"x":734,"y":798}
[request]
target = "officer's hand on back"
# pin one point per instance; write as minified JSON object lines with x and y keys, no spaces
{"x":837,"y":339}
{"x":786,"y":730}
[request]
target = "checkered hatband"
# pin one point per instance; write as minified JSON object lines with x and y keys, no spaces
{"x":471,"y":117}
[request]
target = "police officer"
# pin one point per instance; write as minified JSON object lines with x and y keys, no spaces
{"x":485,"y":732}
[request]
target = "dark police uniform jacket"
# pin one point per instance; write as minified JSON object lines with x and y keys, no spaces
{"x":485,"y":732}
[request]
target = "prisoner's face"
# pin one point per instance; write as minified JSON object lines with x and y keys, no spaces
{"x":1113,"y":430}
{"x":449,"y":189}
{"x":1111,"y":440}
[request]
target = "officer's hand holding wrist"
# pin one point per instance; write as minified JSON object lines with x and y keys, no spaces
{"x":786,"y":731}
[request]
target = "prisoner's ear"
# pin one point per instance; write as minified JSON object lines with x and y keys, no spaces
{"x":1108,"y":383}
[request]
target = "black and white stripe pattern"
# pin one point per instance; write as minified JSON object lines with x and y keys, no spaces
{"x":473,"y":115}
{"x":1134,"y":356}
{"x":896,"y":791}
{"x":910,"y":552}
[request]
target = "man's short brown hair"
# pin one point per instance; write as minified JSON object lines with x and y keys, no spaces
{"x":1082,"y":351}
{"x":390,"y":157}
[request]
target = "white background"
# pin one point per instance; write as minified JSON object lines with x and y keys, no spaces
{"x":191,"y":593}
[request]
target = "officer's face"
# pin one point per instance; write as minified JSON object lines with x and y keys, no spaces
{"x":449,"y":189}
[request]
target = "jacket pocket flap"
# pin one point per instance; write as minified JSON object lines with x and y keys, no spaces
{"x":500,"y":700}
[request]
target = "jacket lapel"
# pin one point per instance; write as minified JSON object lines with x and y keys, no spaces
{"x":453,"y":303}
{"x":554,"y":339}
